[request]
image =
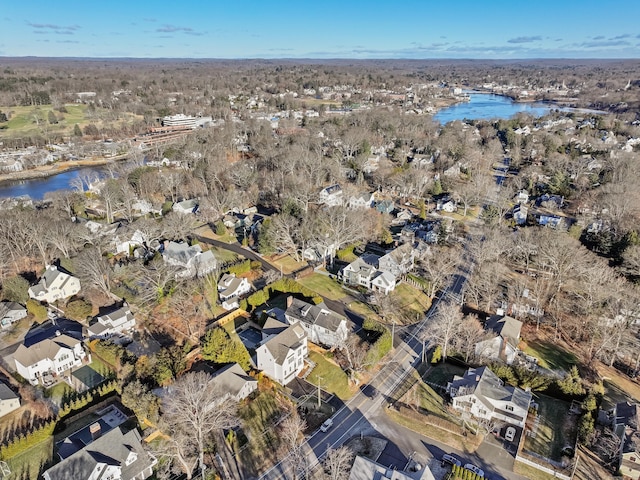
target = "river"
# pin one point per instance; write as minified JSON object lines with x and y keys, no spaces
{"x":485,"y":106}
{"x":37,"y":187}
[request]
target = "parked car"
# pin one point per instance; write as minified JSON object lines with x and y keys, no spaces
{"x":510,"y":434}
{"x":477,"y":470}
{"x":369,"y":391}
{"x":328,"y":423}
{"x":450,"y":459}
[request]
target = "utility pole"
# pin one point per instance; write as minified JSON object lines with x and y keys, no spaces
{"x":319,"y":398}
{"x":393,"y":334}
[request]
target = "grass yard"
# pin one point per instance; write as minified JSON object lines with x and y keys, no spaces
{"x":224,"y":256}
{"x":443,"y":373}
{"x":59,"y":391}
{"x":287,"y":263}
{"x":330,"y":376}
{"x":556,"y":429}
{"x":413,"y":302}
{"x":33,"y":120}
{"x":530,"y":472}
{"x":323,"y":285}
{"x":618,"y":387}
{"x":364,"y":310}
{"x":550,"y":355}
{"x":30,"y":463}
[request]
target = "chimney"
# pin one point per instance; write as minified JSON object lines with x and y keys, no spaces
{"x":58,"y":333}
{"x":96,"y":430}
{"x":289,"y":301}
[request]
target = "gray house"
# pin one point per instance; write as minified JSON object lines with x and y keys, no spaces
{"x":322,"y":325}
{"x":9,"y":401}
{"x":114,"y":454}
{"x":504,"y":340}
{"x":10,"y":313}
{"x":234,"y":383}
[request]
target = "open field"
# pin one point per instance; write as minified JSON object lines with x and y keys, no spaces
{"x":33,"y":120}
{"x":330,"y":376}
{"x":324,"y":286}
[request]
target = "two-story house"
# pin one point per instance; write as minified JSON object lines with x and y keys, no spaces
{"x":322,"y":325}
{"x":114,"y":455}
{"x":399,"y":261}
{"x":504,"y":339}
{"x":117,"y":322}
{"x":483,"y":395}
{"x":54,"y":285}
{"x":234,"y":383}
{"x":190,"y":259}
{"x":364,"y":271}
{"x":10,"y":313}
{"x":230,"y":288}
{"x":626,"y":426}
{"x":283,"y":350}
{"x":331,"y":196}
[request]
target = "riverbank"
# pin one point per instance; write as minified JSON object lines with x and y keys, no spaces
{"x":44,"y":171}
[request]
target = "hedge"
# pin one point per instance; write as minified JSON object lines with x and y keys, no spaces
{"x":283,"y":285}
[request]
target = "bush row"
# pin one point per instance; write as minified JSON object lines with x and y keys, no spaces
{"x":283,"y":285}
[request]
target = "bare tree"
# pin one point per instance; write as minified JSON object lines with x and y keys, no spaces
{"x":194,"y":412}
{"x":468,"y":335}
{"x":94,"y":271}
{"x":337,"y":463}
{"x":444,"y":327}
{"x":438,"y":267}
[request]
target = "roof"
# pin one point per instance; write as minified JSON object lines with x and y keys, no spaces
{"x":181,"y":252}
{"x":6,"y":393}
{"x":506,"y":327}
{"x":112,"y":448}
{"x":487,"y":386}
{"x":111,"y":318}
{"x":366,"y":469}
{"x":231,"y":379}
{"x":230,"y":284}
{"x":50,"y":329}
{"x":48,"y":348}
{"x":315,"y":314}
{"x":627,"y":415}
{"x":6,"y":307}
{"x":281,"y":344}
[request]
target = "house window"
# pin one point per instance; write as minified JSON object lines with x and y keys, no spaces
{"x":509,"y":408}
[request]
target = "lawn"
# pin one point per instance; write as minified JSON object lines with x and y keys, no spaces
{"x":550,"y":355}
{"x":443,"y":373}
{"x":59,"y":391}
{"x":530,"y":472}
{"x":224,"y":256}
{"x":413,"y":303}
{"x":23,"y":119}
{"x":30,"y":463}
{"x":323,"y":285}
{"x":364,"y":310}
{"x":556,"y":429}
{"x":618,"y":387}
{"x":286,"y":263}
{"x":330,"y":376}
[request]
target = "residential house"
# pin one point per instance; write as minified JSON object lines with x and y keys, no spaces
{"x":385,"y":206}
{"x":54,"y":285}
{"x":117,"y":322}
{"x":192,"y":261}
{"x":483,"y":395}
{"x":403,"y":216}
{"x":366,"y":469}
{"x":113,"y":455}
{"x":234,"y":383}
{"x":626,"y":427}
{"x":283,"y":350}
{"x":125,"y":242}
{"x":186,"y":206}
{"x":230,"y":288}
{"x":10,"y":313}
{"x":322,"y":325}
{"x":553,"y":201}
{"x":446,"y":205}
{"x":522,"y":196}
{"x":319,"y":252}
{"x":520,"y":213}
{"x":9,"y":400}
{"x":505,"y":337}
{"x":553,"y":221}
{"x":399,"y":261}
{"x":49,"y":358}
{"x":364,"y":271}
{"x":364,"y":200}
{"x":331,"y":196}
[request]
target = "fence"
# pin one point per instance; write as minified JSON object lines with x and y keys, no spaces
{"x":550,"y":471}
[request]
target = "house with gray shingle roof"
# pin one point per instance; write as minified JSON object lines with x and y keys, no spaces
{"x":54,"y":285}
{"x":504,"y":340}
{"x":234,"y":383}
{"x":230,"y":287}
{"x":192,"y":261}
{"x":483,"y":395}
{"x":117,"y":322}
{"x":322,"y":325}
{"x":283,"y":350}
{"x":113,"y":455}
{"x":9,"y":400}
{"x":10,"y":313}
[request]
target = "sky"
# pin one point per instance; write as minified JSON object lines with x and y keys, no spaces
{"x":416,"y":29}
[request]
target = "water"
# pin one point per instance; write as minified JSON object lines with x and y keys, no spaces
{"x":37,"y":187}
{"x":485,"y":106}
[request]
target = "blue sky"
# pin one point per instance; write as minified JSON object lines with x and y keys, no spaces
{"x":321,"y":29}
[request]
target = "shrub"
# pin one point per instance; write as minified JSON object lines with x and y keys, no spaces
{"x":220,"y":228}
{"x":15,"y":289}
{"x":436,"y":356}
{"x":36,"y":309}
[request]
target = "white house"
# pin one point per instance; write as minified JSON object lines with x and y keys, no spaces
{"x":398,"y":261}
{"x":234,"y":383}
{"x":54,"y":285}
{"x":10,"y":313}
{"x":322,"y":325}
{"x":51,"y":356}
{"x":192,"y":261}
{"x":363,"y":271}
{"x":366,"y":469}
{"x":186,"y":206}
{"x":231,"y":286}
{"x":483,"y":395}
{"x":282,"y":353}
{"x":505,"y":336}
{"x":9,"y":400}
{"x":446,"y":205}
{"x":364,"y":200}
{"x":520,"y":213}
{"x":116,"y":322}
{"x":113,"y":454}
{"x":331,"y":196}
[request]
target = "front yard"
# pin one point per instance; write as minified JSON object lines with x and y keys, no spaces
{"x":330,"y":376}
{"x":323,"y":285}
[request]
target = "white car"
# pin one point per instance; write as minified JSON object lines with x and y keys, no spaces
{"x":474,"y":469}
{"x":328,"y":423}
{"x":510,"y":434}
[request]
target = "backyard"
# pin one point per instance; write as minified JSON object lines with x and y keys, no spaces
{"x":323,"y":285}
{"x":552,"y":430}
{"x":550,"y":355}
{"x":330,"y":376}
